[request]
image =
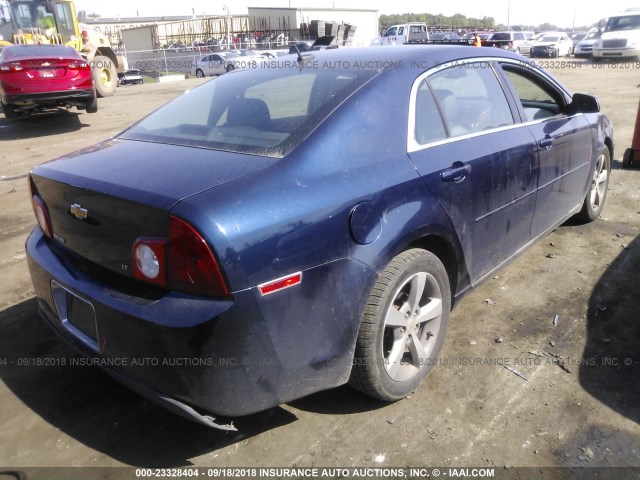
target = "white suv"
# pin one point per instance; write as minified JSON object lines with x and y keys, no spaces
{"x":621,"y":36}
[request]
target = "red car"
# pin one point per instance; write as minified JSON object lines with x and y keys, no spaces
{"x":38,"y":77}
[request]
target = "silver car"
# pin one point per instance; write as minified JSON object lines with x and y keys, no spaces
{"x":215,"y":64}
{"x":585,"y":46}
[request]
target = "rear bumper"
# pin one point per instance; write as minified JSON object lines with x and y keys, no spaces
{"x":49,"y":98}
{"x":229,"y":357}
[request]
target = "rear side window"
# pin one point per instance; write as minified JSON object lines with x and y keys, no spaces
{"x":470,"y":99}
{"x":263,"y":112}
{"x":429,"y":127}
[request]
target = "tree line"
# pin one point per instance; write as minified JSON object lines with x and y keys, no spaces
{"x":461,"y":22}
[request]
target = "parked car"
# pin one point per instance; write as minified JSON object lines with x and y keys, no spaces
{"x":247,"y":53}
{"x":552,"y":44}
{"x":35,"y":78}
{"x":516,"y":41}
{"x":130,"y":77}
{"x":469,"y":37}
{"x":215,"y":64}
{"x":585,"y":46}
{"x":576,"y":38}
{"x":254,"y":245}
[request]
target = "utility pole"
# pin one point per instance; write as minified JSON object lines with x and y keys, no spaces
{"x":224,"y":7}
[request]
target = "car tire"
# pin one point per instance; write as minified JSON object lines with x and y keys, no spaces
{"x":199,"y":73}
{"x":518,"y":50}
{"x":105,"y":77}
{"x":230,"y":68}
{"x":92,"y":105}
{"x":627,"y":157}
{"x":595,"y":198}
{"x":10,"y":112}
{"x":403,"y":326}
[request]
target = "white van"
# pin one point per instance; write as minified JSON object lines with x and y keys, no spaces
{"x":620,"y":38}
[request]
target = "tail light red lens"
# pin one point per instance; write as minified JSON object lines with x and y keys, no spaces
{"x":79,"y":65}
{"x":11,"y":67}
{"x":40,"y":210}
{"x":42,"y":214}
{"x":149,"y":260}
{"x":184,"y":263}
{"x":192,"y":267}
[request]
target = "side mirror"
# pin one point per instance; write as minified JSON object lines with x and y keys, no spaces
{"x":583,"y":103}
{"x":50,"y":7}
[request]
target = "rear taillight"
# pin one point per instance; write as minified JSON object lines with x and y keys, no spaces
{"x":192,"y":267}
{"x":184,"y":263}
{"x":12,"y":67}
{"x":85,"y":37}
{"x":40,"y":210}
{"x":149,"y":260}
{"x":80,"y":65}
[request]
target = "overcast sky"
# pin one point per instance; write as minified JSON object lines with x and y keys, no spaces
{"x":529,"y":12}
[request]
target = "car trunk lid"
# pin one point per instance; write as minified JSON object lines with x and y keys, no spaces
{"x":35,"y":70}
{"x":102,"y":199}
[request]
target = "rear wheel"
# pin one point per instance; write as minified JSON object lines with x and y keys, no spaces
{"x":230,"y":68}
{"x":92,"y":104}
{"x":403,"y":326}
{"x":199,"y":73}
{"x":10,"y":112}
{"x":594,"y":201}
{"x":104,"y":76}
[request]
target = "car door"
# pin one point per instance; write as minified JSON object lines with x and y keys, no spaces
{"x":566,"y":45}
{"x":525,"y":46}
{"x":215,"y":65}
{"x":476,"y":161}
{"x":518,"y":40}
{"x":563,"y":144}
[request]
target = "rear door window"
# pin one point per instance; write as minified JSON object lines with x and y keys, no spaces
{"x":470,"y":98}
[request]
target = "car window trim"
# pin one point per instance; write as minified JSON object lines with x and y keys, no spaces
{"x":414,"y":146}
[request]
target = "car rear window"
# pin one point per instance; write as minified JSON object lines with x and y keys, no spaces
{"x":261,"y":112}
{"x":38,"y":51}
{"x":501,"y":36}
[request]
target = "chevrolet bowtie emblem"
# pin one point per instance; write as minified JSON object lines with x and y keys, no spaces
{"x":79,"y":212}
{"x":45,"y":64}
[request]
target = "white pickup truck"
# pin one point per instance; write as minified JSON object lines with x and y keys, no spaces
{"x":401,"y":34}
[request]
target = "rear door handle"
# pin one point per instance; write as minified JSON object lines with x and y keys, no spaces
{"x":455,"y":174}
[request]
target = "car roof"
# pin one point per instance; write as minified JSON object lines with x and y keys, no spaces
{"x":375,"y":58}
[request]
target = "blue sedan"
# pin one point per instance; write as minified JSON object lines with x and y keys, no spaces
{"x":285,"y":230}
